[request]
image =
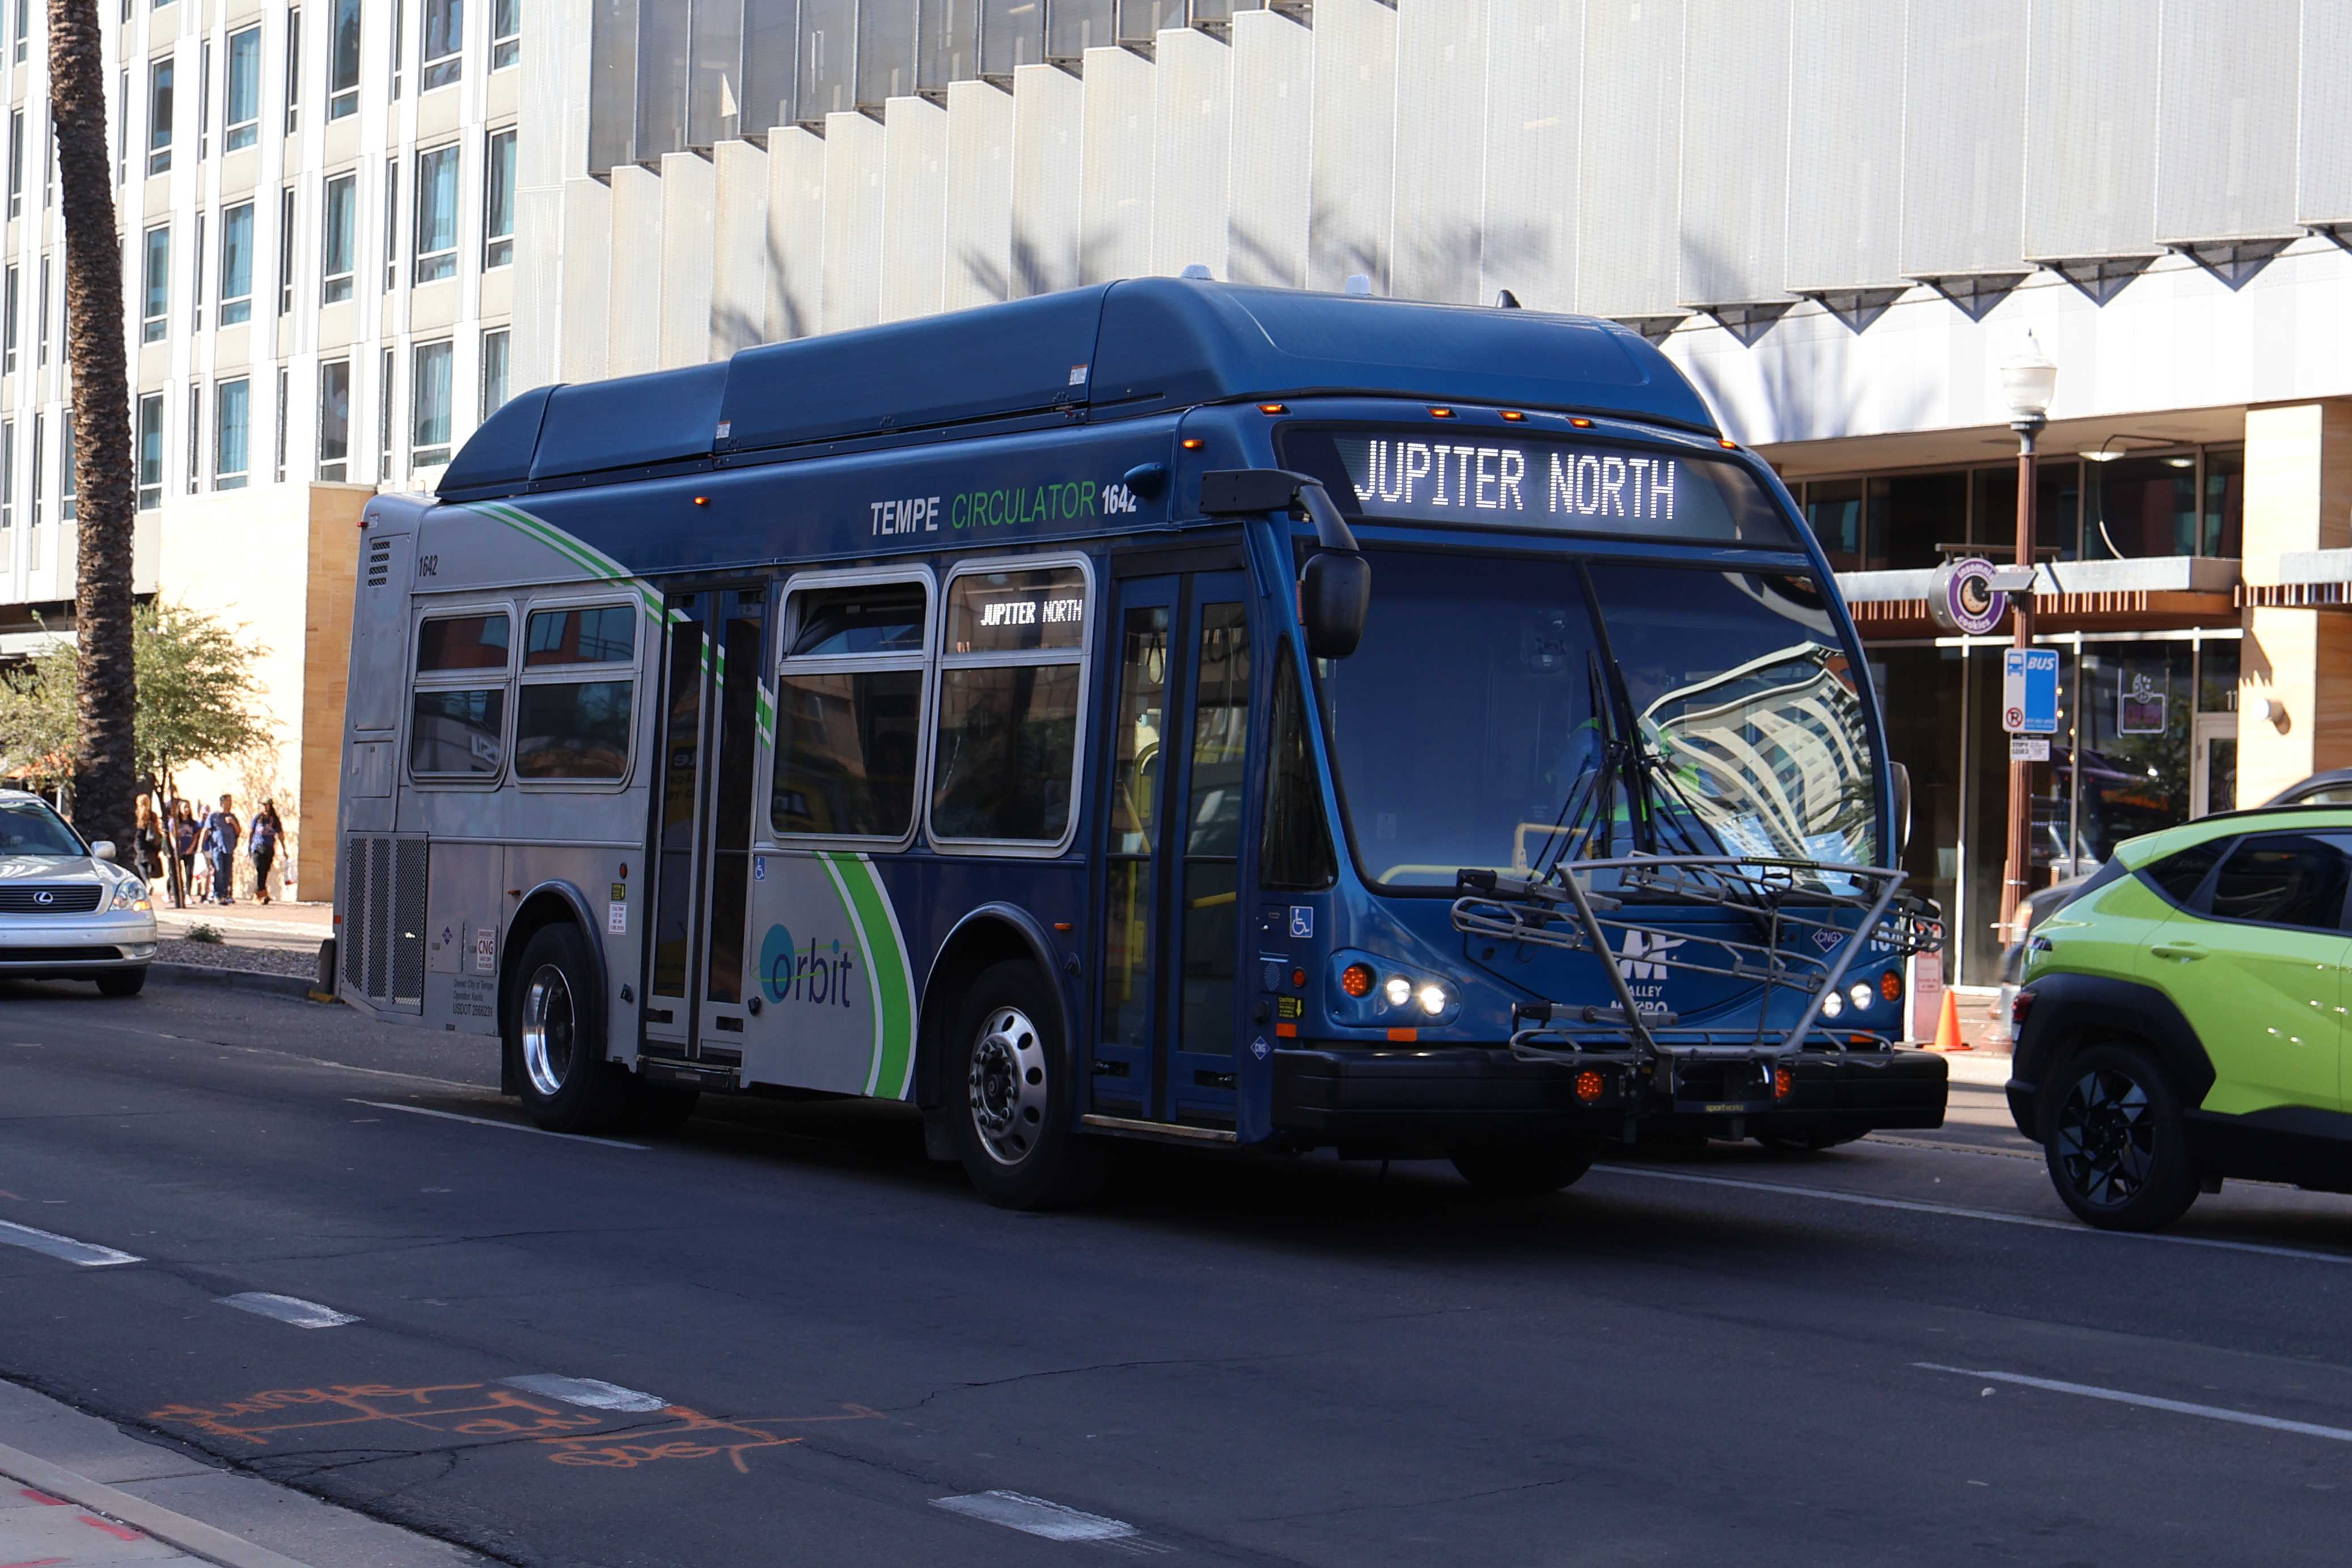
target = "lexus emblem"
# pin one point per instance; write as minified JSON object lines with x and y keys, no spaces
{"x":44,"y":896}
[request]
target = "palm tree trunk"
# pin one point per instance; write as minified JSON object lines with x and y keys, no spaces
{"x":105,"y":770}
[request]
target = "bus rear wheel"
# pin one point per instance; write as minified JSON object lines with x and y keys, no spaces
{"x":1009,"y":1089}
{"x":552,"y":1026}
{"x":1525,"y":1170}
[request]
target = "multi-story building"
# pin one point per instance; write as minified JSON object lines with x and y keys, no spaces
{"x":317,"y":209}
{"x":1840,"y":216}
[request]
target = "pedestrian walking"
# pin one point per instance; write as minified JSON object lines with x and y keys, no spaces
{"x":261,"y":841}
{"x":147,"y":843}
{"x":183,"y":850}
{"x":223,"y":832}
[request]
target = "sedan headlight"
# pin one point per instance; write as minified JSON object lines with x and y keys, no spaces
{"x":129,"y":895}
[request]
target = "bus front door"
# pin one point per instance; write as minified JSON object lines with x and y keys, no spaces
{"x":1167,"y":1020}
{"x":702,"y":824}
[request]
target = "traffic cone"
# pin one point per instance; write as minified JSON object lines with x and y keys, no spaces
{"x":1947,"y":1027}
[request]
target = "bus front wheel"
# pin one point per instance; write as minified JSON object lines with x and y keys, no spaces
{"x":1010,"y":1092}
{"x":567,"y":1084}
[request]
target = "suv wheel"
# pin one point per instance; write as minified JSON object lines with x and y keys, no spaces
{"x":2117,"y":1151}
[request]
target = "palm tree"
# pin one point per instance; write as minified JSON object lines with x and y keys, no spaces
{"x":104,"y":770}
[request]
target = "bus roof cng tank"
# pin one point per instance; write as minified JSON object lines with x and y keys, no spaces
{"x":1116,"y":350}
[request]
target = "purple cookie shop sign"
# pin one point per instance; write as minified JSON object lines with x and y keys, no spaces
{"x":1963,"y":598}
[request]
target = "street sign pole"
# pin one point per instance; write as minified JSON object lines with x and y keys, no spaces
{"x":2021,"y":773}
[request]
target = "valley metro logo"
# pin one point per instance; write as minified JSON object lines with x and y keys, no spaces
{"x":1645,"y":955}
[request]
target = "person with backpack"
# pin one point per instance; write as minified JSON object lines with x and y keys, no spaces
{"x":261,"y":842}
{"x":223,"y":832}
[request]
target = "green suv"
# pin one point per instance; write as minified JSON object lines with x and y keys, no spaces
{"x":2182,"y":1019}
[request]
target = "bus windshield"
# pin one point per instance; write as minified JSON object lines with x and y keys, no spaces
{"x":1486,"y":691}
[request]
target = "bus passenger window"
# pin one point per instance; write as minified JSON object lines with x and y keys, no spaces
{"x":601,"y":634}
{"x":458,"y":734}
{"x":572,"y":729}
{"x":462,"y":643}
{"x":849,"y":705}
{"x":1009,"y":687}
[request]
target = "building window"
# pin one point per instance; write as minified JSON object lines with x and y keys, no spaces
{"x":506,"y":33}
{"x":205,"y":102}
{"x":285,"y":251}
{"x":383,"y":422}
{"x":159,"y":116}
{"x":15,"y":163}
{"x":428,"y":388}
{"x":24,"y":29}
{"x":437,"y":214}
{"x":150,"y":451}
{"x":337,"y":247}
{"x":293,"y":65}
{"x":14,"y":293}
{"x":444,"y":41}
{"x":343,"y":68}
{"x":391,"y":224}
{"x":41,"y":332}
{"x":494,"y":371}
{"x":244,"y":91}
{"x":122,"y":128}
{"x":156,"y":285}
{"x":231,"y":422}
{"x":334,"y":419}
{"x":195,"y":438}
{"x":195,"y":279}
{"x":40,"y":440}
{"x":278,"y":449}
{"x":399,"y":42}
{"x":66,"y":468}
{"x":237,"y":264}
{"x":498,"y":199}
{"x":8,"y":476}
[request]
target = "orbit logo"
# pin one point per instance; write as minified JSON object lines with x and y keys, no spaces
{"x":818,"y":974}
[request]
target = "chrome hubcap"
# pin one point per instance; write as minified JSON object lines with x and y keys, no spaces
{"x":2106,"y":1138}
{"x":547,"y":1030}
{"x":1008,"y":1085}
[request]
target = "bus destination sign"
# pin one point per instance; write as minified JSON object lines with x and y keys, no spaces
{"x":1506,"y":482}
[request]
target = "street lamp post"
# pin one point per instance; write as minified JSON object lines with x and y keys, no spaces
{"x":2028,"y":379}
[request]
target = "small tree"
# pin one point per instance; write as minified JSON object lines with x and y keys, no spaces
{"x":197,"y":699}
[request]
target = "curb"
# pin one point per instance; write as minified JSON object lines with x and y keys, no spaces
{"x":291,"y":986}
{"x":190,"y":1535}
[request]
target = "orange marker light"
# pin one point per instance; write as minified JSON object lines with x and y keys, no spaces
{"x":1727,"y":444}
{"x":1784,"y":1083}
{"x":1579,"y":424}
{"x":1440,"y":413}
{"x":1193,"y":444}
{"x":1512,"y":416}
{"x":1274,"y":408}
{"x":1590,"y":1086}
{"x":702,"y":500}
{"x":1356,"y":979}
{"x":1890,"y":985}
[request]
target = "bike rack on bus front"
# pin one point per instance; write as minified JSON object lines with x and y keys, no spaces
{"x":1789,"y":898}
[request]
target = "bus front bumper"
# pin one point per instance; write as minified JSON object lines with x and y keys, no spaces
{"x":1441,"y":1095}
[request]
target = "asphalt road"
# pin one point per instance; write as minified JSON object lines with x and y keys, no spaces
{"x":1899,"y":1352}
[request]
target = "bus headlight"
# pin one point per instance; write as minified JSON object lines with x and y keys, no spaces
{"x":1833,"y":1005}
{"x":1399,"y":991}
{"x":1433,"y":999}
{"x":1862,"y":996}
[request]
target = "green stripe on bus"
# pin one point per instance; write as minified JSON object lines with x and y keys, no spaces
{"x":592,"y":561}
{"x":895,"y":1066}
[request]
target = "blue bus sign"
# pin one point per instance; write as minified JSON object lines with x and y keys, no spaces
{"x":2029,"y":691}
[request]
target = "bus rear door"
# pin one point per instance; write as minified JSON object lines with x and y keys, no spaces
{"x":1174,"y":754}
{"x":702,"y":824}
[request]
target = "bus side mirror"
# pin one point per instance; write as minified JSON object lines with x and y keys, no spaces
{"x":1335,"y":593}
{"x":1902,"y":780}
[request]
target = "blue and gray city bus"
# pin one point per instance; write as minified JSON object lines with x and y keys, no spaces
{"x":1165,"y":710}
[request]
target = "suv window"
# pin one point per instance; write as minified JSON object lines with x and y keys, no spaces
{"x":2178,"y":875}
{"x":2284,"y":878}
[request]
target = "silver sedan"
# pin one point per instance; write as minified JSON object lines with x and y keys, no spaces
{"x":66,"y":910}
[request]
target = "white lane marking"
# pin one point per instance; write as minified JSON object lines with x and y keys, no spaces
{"x":507,"y":1126}
{"x":1993,"y":1216}
{"x":2150,"y":1401}
{"x":89,"y":1254}
{"x":293,"y":1309}
{"x":1035,"y":1516}
{"x":586,"y":1391}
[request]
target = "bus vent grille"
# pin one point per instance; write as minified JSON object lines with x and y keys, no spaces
{"x":383,"y":920}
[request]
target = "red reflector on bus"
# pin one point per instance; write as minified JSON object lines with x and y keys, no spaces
{"x":1784,"y":1083}
{"x":1285,"y":1031}
{"x":1404,"y":1036}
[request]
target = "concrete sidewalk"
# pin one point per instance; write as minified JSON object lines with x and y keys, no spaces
{"x":76,"y":1491}
{"x":285,"y":927}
